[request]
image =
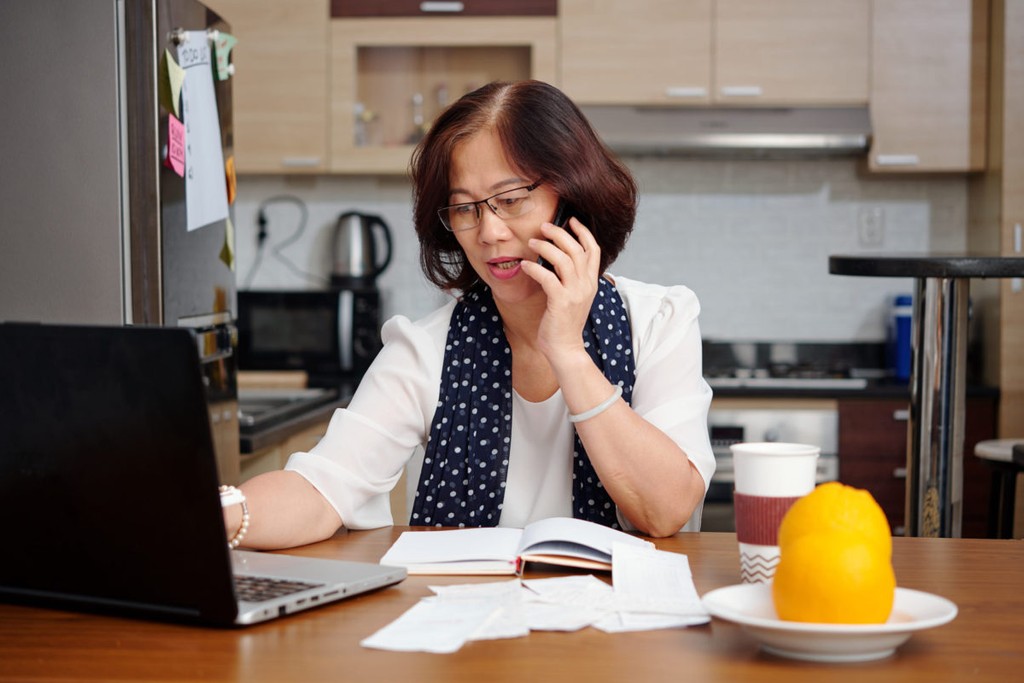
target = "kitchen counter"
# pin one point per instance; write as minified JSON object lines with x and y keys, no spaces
{"x":254,"y":438}
{"x":872,"y":389}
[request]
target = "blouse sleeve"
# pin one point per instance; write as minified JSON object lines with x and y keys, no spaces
{"x":367,"y":444}
{"x":670,"y":391}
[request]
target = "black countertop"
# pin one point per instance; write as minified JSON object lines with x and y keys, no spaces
{"x":927,"y":265}
{"x":253,"y":439}
{"x":872,"y":390}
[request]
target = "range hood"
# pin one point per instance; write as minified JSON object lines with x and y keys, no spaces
{"x":758,"y":133}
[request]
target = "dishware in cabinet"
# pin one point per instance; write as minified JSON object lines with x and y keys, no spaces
{"x":391,"y":76}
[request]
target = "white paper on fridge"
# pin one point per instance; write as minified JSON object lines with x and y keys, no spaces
{"x":206,"y":196}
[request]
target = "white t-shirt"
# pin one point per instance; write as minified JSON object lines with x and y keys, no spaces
{"x":369,"y":443}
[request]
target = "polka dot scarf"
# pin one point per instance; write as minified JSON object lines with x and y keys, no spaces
{"x":462,"y":482}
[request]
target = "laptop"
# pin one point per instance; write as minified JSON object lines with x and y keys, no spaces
{"x":109,"y":489}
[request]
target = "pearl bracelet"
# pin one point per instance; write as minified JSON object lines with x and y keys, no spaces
{"x":598,"y":409}
{"x":229,"y":495}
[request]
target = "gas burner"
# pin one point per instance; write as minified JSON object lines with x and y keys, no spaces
{"x":785,"y":376}
{"x":807,"y":371}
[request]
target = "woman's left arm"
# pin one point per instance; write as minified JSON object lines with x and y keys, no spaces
{"x":650,"y":477}
{"x":638,"y":452}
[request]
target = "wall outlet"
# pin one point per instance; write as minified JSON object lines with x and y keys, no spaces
{"x":871,"y":226}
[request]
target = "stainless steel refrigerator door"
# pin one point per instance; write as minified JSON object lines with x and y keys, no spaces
{"x":62,"y":203}
{"x":92,"y":226}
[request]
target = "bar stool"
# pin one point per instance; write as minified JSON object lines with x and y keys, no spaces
{"x":1005,"y":457}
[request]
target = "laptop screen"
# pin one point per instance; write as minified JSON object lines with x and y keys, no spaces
{"x":108,"y":482}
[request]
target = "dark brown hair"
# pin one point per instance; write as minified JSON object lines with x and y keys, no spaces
{"x":546,"y":138}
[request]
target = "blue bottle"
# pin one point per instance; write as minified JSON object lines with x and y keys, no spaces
{"x":899,"y":337}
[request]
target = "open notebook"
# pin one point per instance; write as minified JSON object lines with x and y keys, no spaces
{"x":108,"y":486}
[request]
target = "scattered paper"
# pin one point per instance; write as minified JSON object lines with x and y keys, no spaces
{"x":433,"y":626}
{"x":653,"y":589}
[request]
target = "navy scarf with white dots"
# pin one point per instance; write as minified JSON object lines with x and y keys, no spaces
{"x":462,"y":482}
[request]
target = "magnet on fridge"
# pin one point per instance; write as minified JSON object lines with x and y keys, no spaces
{"x":222,"y":44}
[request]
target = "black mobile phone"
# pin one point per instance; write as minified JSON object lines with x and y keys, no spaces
{"x":562,"y":215}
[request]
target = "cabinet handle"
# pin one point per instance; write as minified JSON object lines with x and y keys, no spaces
{"x":899,"y":473}
{"x":686,"y":91}
{"x":300,"y":162}
{"x":742,"y":91}
{"x":897,"y":159}
{"x":1015,"y":283}
{"x":436,"y":6}
{"x":901,"y":415}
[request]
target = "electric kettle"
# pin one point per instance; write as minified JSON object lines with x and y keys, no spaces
{"x":356,"y":262}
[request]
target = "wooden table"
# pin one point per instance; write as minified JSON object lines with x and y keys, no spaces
{"x":984,"y":643}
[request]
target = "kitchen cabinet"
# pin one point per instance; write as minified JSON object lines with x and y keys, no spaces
{"x":996,"y":218}
{"x":729,"y":52}
{"x":928,"y":85}
{"x":873,"y":456}
{"x":429,"y":8}
{"x":391,"y":76}
{"x":280,"y":83}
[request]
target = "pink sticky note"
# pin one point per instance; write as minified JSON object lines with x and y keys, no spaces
{"x":176,"y":145}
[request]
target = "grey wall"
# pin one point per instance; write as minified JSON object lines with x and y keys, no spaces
{"x":751,"y":238}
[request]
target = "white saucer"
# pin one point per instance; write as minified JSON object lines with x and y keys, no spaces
{"x":750,"y":605}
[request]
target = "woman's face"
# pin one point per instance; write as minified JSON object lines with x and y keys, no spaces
{"x":496,"y":247}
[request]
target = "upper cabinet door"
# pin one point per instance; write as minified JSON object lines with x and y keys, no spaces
{"x":637,"y":52}
{"x":800,"y":52}
{"x":280,"y":83}
{"x":783,"y":52}
{"x":928,"y":95}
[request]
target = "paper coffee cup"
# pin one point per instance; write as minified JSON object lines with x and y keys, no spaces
{"x":770,"y":477}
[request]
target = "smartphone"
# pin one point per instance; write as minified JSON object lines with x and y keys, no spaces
{"x":562,"y":215}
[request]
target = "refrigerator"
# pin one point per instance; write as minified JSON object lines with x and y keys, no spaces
{"x":116,"y":178}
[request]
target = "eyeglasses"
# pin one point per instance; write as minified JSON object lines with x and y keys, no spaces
{"x":505,"y":205}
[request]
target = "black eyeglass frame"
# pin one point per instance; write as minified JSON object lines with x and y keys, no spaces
{"x":479,"y":212}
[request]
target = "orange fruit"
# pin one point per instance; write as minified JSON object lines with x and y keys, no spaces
{"x":833,"y":577}
{"x":836,"y":507}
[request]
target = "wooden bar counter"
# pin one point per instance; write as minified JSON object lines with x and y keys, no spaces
{"x":985,"y":578}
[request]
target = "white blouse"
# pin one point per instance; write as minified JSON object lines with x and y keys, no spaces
{"x":369,"y":443}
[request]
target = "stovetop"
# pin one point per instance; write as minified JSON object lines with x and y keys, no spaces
{"x":775,"y":365}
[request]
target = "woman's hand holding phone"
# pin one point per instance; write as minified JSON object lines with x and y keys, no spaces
{"x":571,"y":289}
{"x":561,"y":219}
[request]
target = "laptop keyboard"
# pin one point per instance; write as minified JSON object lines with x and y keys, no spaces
{"x":260,"y":588}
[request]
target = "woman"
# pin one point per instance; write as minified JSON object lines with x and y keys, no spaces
{"x":540,"y":392}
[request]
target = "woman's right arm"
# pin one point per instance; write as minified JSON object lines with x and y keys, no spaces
{"x":347,"y":477}
{"x":285,"y":511}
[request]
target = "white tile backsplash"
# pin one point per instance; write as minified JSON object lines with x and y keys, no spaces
{"x":751,"y":238}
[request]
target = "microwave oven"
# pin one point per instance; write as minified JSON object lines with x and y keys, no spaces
{"x":329,"y":334}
